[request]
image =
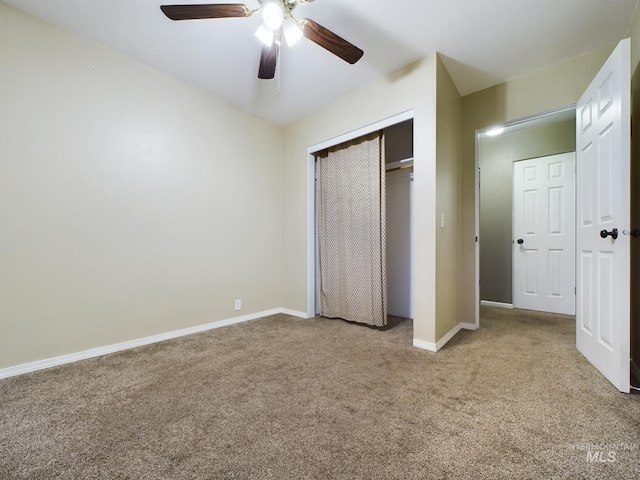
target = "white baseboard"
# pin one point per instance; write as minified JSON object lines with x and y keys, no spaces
{"x":294,"y":313}
{"x":434,"y":347}
{"x":118,"y":347}
{"x":431,"y":347}
{"x":489,"y":303}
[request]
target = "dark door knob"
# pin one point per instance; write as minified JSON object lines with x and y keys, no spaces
{"x":520,"y":241}
{"x":613,"y":233}
{"x":635,"y":233}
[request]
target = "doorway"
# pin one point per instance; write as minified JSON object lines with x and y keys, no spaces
{"x":497,"y":150}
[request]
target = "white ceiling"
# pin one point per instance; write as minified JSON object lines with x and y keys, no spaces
{"x":483,"y":42}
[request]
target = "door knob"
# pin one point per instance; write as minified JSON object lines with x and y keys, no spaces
{"x":613,"y":233}
{"x":635,"y":233}
{"x":520,"y":241}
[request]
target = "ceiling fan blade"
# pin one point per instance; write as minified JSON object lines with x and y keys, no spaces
{"x":330,"y":41}
{"x":194,"y":12}
{"x":268,"y":61}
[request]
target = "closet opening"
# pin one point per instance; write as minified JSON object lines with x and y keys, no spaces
{"x":399,"y":206}
{"x":396,"y":185}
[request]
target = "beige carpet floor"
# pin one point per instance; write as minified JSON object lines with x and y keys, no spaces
{"x":284,"y":398}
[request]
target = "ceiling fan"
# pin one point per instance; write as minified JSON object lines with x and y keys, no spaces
{"x":277,"y":22}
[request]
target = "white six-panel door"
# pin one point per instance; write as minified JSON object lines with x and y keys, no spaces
{"x":544,"y":234}
{"x":603,"y":156}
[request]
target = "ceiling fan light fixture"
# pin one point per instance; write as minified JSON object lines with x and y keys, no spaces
{"x":272,"y":15}
{"x":292,"y":32}
{"x":265,"y":35}
{"x":277,"y":22}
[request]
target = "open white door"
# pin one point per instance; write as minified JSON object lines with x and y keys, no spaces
{"x":603,"y":187}
{"x":544,"y":274}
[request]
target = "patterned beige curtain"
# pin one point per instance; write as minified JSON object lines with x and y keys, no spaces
{"x":350,"y":212}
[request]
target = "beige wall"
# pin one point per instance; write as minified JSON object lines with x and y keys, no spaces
{"x":496,"y":156}
{"x":554,"y":87}
{"x":410,"y":88}
{"x":130,"y":203}
{"x":448,"y":195}
{"x":634,"y":34}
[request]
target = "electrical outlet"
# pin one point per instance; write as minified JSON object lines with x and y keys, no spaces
{"x":238,"y":305}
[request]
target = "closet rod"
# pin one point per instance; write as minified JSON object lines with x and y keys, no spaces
{"x":402,"y":167}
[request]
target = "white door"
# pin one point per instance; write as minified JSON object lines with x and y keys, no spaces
{"x":544,"y":234}
{"x":603,"y":157}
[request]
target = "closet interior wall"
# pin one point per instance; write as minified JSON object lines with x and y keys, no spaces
{"x":399,"y":178}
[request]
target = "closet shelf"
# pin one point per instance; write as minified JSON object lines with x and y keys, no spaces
{"x":401,"y":164}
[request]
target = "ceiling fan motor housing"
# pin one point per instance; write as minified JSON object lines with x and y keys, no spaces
{"x":289,"y":5}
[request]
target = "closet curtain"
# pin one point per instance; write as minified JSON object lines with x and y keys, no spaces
{"x":350,"y":212}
